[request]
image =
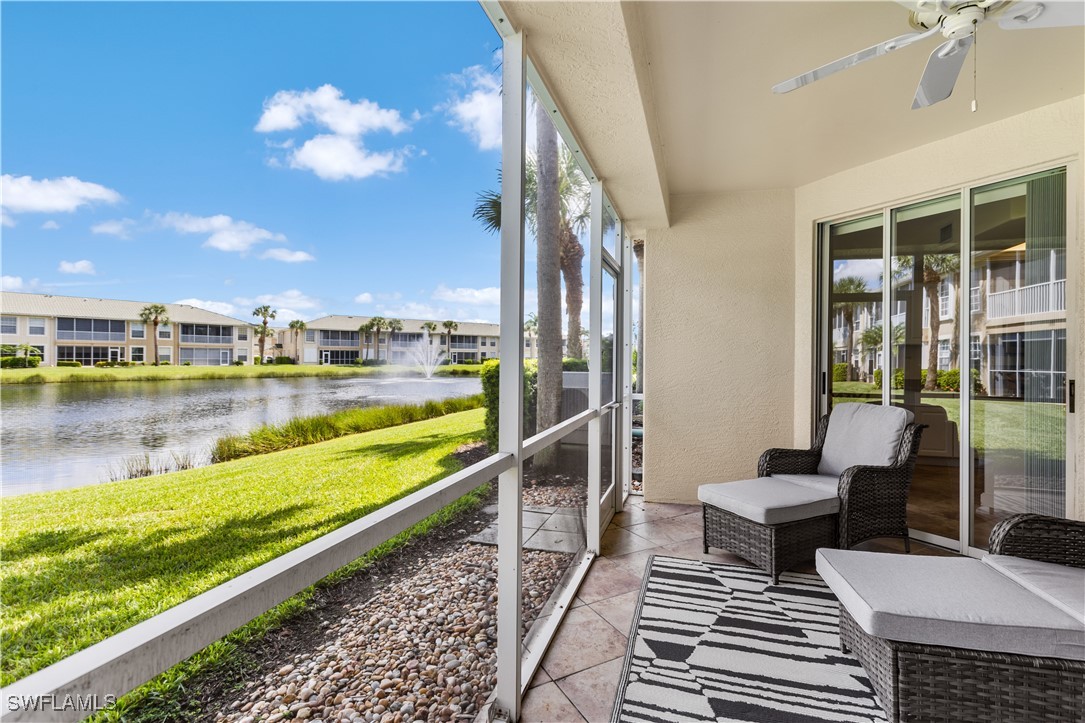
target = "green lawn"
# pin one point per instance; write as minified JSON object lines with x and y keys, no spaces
{"x":997,"y":424}
{"x":49,"y":375}
{"x":82,"y":564}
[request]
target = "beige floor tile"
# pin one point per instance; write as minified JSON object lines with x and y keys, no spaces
{"x":618,"y":541}
{"x":663,"y":510}
{"x":592,"y":691}
{"x":607,"y":579}
{"x":584,"y":639}
{"x":635,"y":562}
{"x":631,"y":515}
{"x":547,"y":704}
{"x":673,"y":529}
{"x":540,"y":678}
{"x":619,"y":611}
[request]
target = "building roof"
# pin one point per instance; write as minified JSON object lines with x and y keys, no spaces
{"x":340,"y":322}
{"x":85,"y":307}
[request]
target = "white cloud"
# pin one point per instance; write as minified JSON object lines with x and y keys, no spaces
{"x":285,"y":316}
{"x":287,"y":256}
{"x":488,"y":296}
{"x":82,"y":266}
{"x":50,"y":225}
{"x":219,"y":307}
{"x":326,"y":106}
{"x":336,"y":158}
{"x":224,"y":233}
{"x":340,"y":154}
{"x":291,"y":298}
{"x":412,"y":310}
{"x":869,"y":270}
{"x":364,"y":298}
{"x":17,"y":283}
{"x":6,"y":220}
{"x":477,"y":111}
{"x":119,"y":227}
{"x":394,"y":296}
{"x":23,"y":194}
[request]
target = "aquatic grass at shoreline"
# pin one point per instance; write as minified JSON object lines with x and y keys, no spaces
{"x":323,"y":427}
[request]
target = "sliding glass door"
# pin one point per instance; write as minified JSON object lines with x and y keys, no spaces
{"x":961,"y":299}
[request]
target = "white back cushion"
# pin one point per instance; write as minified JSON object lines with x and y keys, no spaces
{"x":862,"y":434}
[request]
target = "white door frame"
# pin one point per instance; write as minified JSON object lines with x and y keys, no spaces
{"x":325,"y":356}
{"x":224,"y":357}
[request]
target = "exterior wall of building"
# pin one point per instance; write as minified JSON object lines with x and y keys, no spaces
{"x":1044,"y":138}
{"x":718,"y":333}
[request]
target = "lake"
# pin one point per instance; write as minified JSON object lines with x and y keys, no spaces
{"x":68,"y":435}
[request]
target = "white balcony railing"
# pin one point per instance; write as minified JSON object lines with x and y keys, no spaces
{"x":1040,"y":298}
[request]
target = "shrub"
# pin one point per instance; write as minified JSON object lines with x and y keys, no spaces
{"x":898,"y":379}
{"x":101,"y":364}
{"x":373,"y":362}
{"x":284,"y":360}
{"x":69,"y":363}
{"x":238,"y":363}
{"x":163,"y":364}
{"x":19,"y":362}
{"x":840,"y":372}
{"x":491,"y":384}
{"x":878,"y":378}
{"x":570,"y":364}
{"x":186,"y":363}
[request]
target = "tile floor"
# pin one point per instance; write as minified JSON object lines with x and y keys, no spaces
{"x":579,"y":675}
{"x":553,"y":529}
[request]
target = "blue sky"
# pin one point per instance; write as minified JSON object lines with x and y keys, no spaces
{"x":320,"y":157}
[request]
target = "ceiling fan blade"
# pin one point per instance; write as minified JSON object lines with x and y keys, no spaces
{"x":1047,"y":14}
{"x":941,"y":72}
{"x":862,"y":56}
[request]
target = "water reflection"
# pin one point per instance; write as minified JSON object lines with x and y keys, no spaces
{"x":66,"y":435}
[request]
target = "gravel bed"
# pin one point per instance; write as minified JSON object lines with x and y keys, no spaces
{"x":423,"y":648}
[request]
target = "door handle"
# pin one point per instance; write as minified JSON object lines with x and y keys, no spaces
{"x":1070,"y":394}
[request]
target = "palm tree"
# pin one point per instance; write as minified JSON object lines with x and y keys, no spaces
{"x":378,"y":323}
{"x":574,"y":199}
{"x":266,"y":314}
{"x":450,"y":326}
{"x":154,"y":315}
{"x":638,"y":252}
{"x":843,"y":287}
{"x":363,"y":337}
{"x":936,"y":268}
{"x":428,"y":327}
{"x":394,"y":326}
{"x":297,"y":326}
{"x":531,"y":326}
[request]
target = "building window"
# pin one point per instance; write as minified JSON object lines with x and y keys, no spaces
{"x":527,"y":343}
{"x":943,"y":354}
{"x":945,"y":306}
{"x":204,"y":357}
{"x":310,"y":336}
{"x":242,"y":355}
{"x":338,"y":338}
{"x":165,"y":332}
{"x":137,"y":354}
{"x":9,"y":325}
{"x":37,"y":327}
{"x":90,"y":329}
{"x":242,"y":333}
{"x":165,"y":354}
{"x":493,"y":342}
{"x":975,"y":348}
{"x":88,"y":356}
{"x":206,"y":334}
{"x":338,"y":356}
{"x":139,"y":331}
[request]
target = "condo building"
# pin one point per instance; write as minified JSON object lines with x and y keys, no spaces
{"x":336,"y":339}
{"x":88,"y":330}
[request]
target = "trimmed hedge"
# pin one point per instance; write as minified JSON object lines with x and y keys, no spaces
{"x":949,"y":380}
{"x":283,"y":360}
{"x":69,"y":363}
{"x":878,"y":378}
{"x":572,"y":364}
{"x":491,"y":387}
{"x":19,"y":362}
{"x":840,"y":372}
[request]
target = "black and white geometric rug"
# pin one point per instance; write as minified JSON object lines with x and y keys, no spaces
{"x":716,"y":642}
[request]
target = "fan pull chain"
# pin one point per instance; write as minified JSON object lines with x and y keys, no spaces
{"x":975,"y":61}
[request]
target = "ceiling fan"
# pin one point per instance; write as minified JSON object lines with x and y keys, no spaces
{"x":957,"y":21}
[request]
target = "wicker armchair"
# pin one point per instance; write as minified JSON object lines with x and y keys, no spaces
{"x":918,"y":682}
{"x":873,"y":500}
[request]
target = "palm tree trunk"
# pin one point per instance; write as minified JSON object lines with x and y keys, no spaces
{"x":955,"y":342}
{"x":935,"y":325}
{"x":638,"y":251}
{"x":154,"y":341}
{"x":548,"y":280}
{"x":572,"y":256}
{"x":849,"y":327}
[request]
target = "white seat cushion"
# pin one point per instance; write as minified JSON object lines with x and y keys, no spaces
{"x":958,"y":602}
{"x":1061,"y":585}
{"x":769,"y":501}
{"x":865,"y":434}
{"x":824,"y":482}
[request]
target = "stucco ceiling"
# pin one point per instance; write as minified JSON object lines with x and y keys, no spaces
{"x":674,"y":97}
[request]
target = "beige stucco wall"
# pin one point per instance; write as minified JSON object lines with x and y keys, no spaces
{"x":1046,"y":137}
{"x":719,"y":326}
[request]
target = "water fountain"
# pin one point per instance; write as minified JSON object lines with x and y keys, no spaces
{"x":427,"y":356}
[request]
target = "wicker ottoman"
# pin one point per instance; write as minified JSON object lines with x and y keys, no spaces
{"x":772,"y":523}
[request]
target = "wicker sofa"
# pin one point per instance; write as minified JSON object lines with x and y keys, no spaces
{"x":961,"y":639}
{"x":850,"y":486}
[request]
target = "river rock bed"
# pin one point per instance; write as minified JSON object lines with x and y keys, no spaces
{"x":422,"y":649}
